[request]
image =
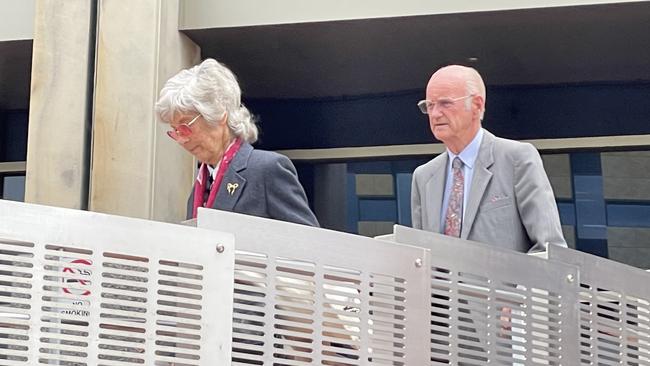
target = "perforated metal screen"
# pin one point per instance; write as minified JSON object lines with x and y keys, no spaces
{"x":308,"y":296}
{"x":80,"y":288}
{"x":614,"y":310}
{"x":489,"y":306}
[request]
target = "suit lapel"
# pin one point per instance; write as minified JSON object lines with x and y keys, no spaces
{"x":233,"y":183}
{"x":480,"y":179}
{"x":435,"y":189}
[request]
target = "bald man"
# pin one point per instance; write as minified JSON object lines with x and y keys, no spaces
{"x":482,"y":188}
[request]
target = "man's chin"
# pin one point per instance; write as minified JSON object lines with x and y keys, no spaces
{"x":440,"y":134}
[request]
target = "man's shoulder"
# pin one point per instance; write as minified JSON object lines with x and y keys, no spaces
{"x":511,"y":146}
{"x":430,"y":166}
{"x":507,"y":151}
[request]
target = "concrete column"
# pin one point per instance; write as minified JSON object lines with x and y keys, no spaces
{"x":59,"y":113}
{"x":137,"y":170}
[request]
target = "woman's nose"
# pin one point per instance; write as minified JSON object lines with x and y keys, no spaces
{"x":182,"y":140}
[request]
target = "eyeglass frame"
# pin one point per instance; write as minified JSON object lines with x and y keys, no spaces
{"x":451,"y":102}
{"x":185,"y":129}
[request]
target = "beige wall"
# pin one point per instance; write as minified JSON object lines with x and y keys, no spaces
{"x":17,"y":19}
{"x":137,"y":170}
{"x":375,"y":185}
{"x":558,"y":170}
{"x":196,"y":14}
{"x":57,"y":156}
{"x":626,"y":175}
{"x":629,"y":245}
{"x":130,"y":167}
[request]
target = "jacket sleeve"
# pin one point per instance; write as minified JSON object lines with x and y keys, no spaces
{"x":535,"y":201}
{"x":285,"y":197}
{"x":416,"y":203}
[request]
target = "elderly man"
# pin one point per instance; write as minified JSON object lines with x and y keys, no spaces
{"x":483,"y":188}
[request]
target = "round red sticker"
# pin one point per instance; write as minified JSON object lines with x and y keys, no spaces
{"x":82,"y":282}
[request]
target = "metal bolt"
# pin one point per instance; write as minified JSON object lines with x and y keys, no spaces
{"x":570,"y":278}
{"x":418,"y":262}
{"x":220,"y":248}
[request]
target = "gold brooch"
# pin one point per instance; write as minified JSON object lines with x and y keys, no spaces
{"x":231,"y":187}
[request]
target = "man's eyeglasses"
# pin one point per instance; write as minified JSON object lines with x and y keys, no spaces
{"x":182,"y":130}
{"x":427,"y":106}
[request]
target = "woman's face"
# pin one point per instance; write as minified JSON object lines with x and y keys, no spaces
{"x":207,"y":142}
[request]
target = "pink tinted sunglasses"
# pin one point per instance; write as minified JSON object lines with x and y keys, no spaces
{"x":182,"y":130}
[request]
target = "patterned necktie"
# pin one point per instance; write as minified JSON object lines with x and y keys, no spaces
{"x":454,"y":215}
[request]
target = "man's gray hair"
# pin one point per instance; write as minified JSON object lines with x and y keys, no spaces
{"x":475,"y":86}
{"x":210,"y":89}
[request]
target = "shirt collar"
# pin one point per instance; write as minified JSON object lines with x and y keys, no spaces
{"x":470,"y":152}
{"x":213,"y":169}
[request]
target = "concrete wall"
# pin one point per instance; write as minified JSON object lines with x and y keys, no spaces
{"x":626,"y":175}
{"x":558,"y":170}
{"x":626,"y":182}
{"x":94,"y":142}
{"x":137,"y":170}
{"x":17,"y":19}
{"x":629,"y":245}
{"x":59,"y":111}
{"x":196,"y":14}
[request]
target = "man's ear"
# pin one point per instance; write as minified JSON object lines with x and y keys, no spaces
{"x":478,"y":104}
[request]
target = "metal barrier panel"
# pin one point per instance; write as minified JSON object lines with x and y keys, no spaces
{"x":80,"y":288}
{"x":614,"y":310}
{"x":495,"y":306}
{"x":310,"y":296}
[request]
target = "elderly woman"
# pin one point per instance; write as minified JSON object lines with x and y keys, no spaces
{"x":203,"y":107}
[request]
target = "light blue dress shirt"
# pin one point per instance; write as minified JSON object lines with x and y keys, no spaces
{"x":468,"y":157}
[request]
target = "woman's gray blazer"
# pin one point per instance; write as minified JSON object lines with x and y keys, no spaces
{"x":267,"y":186}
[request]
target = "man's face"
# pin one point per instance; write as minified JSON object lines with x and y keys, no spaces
{"x":453,"y":119}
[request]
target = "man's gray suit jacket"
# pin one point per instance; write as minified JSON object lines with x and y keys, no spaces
{"x":510,"y":203}
{"x":267,"y":186}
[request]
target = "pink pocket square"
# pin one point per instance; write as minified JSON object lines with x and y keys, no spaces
{"x":497,"y":198}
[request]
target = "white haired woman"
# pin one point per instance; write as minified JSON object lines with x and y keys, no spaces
{"x":203,"y":107}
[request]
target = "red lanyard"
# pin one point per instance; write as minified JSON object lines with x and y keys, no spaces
{"x":202,"y":178}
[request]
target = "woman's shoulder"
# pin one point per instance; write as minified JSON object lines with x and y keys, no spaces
{"x":267,"y":158}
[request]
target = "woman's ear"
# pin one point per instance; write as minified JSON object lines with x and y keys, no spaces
{"x":224,"y":119}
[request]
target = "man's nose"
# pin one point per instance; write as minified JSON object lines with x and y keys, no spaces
{"x":435,"y":112}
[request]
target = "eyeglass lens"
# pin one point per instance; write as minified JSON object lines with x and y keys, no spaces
{"x":182,"y":130}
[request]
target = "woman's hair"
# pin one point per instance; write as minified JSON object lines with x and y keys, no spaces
{"x":210,"y":89}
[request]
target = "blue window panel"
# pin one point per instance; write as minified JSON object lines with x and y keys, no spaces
{"x":352,"y":204}
{"x":378,"y":210}
{"x":567,"y":213}
{"x":593,"y":246}
{"x":586,"y":163}
{"x":14,"y":188}
{"x":13,"y":139}
{"x":403,"y":188}
{"x":373,"y":167}
{"x":628,"y":215}
{"x":591,"y":217}
{"x":407,"y":166}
